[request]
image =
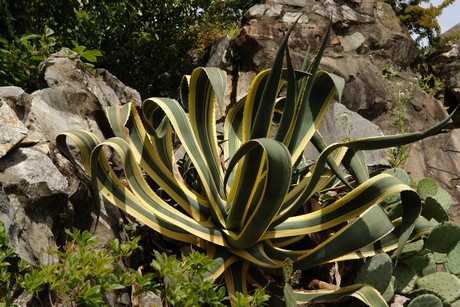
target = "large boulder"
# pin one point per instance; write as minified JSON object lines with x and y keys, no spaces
{"x":42,"y":193}
{"x":37,"y":197}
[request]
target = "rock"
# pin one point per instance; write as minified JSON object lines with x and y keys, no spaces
{"x":260,"y":10}
{"x":360,"y":74}
{"x":218,"y":52}
{"x":147,"y":299}
{"x":12,"y":92}
{"x":341,"y":124}
{"x":32,"y":173}
{"x":352,"y":42}
{"x":12,"y":130}
{"x":73,"y":100}
{"x":109,"y":89}
{"x":37,"y":195}
{"x":41,"y":192}
{"x":6,"y":210}
{"x":291,"y":17}
{"x":16,"y":98}
{"x":445,"y":65}
{"x":295,"y":3}
{"x":58,"y":109}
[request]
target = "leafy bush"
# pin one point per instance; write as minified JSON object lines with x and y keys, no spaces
{"x":144,"y":43}
{"x":84,"y":275}
{"x":249,"y":200}
{"x":21,"y":58}
{"x":7,"y":260}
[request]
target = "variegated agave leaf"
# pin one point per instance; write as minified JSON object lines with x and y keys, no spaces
{"x":245,"y":206}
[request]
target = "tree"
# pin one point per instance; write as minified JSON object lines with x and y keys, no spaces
{"x":420,"y":20}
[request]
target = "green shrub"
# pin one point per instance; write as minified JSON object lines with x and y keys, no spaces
{"x":21,"y":58}
{"x":7,"y":260}
{"x":146,"y":44}
{"x":83,"y":275}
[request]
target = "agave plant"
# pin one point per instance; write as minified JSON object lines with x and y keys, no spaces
{"x":242,"y":195}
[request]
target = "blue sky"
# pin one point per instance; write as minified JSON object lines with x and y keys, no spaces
{"x":450,"y":16}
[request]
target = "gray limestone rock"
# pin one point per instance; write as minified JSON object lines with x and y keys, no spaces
{"x":41,"y":193}
{"x":296,"y":3}
{"x":30,"y":172}
{"x":12,"y":130}
{"x":352,"y":42}
{"x":37,"y":197}
{"x":340,"y":124}
{"x":16,"y":98}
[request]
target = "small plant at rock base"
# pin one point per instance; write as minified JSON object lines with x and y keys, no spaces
{"x":432,"y":85}
{"x":183,"y":282}
{"x":345,"y":123}
{"x":401,"y":95}
{"x":82,"y":273}
{"x":7,"y":277}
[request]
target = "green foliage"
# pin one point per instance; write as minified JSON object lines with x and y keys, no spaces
{"x":7,"y":258}
{"x":183,"y":283}
{"x":429,"y":82}
{"x":84,"y":274}
{"x":419,"y":19}
{"x":147,"y":44}
{"x":401,"y":94}
{"x":259,"y":298}
{"x":21,"y":57}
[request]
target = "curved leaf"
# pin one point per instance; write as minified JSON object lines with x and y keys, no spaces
{"x":264,"y":181}
{"x":364,"y":293}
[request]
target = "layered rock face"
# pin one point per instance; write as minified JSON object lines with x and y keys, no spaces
{"x":41,"y":193}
